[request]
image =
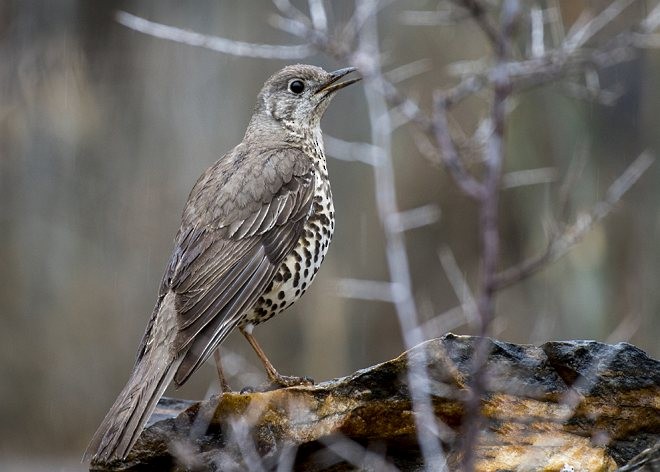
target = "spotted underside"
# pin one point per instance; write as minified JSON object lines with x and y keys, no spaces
{"x":299,"y":268}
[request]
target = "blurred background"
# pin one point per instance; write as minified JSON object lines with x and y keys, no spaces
{"x":103,"y":132}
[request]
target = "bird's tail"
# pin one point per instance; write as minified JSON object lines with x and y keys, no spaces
{"x":123,"y":424}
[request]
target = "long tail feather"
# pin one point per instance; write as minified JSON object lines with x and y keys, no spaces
{"x":123,"y":424}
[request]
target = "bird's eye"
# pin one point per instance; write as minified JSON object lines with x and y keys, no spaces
{"x":297,"y":86}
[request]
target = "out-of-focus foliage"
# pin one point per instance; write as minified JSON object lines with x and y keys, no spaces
{"x":103,"y":131}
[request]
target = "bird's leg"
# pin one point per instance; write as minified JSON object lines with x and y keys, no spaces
{"x":273,"y":375}
{"x":224,"y":386}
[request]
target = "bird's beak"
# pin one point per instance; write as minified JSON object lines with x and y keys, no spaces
{"x":332,"y":85}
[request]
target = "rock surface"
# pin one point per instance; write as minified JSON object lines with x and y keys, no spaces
{"x":579,"y":404}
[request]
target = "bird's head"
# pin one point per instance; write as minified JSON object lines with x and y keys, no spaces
{"x":297,"y":96}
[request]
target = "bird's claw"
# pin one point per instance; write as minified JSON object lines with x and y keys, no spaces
{"x":284,"y":381}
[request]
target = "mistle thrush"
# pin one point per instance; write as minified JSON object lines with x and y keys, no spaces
{"x":253,"y":234}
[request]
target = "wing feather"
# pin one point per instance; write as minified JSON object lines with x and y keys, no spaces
{"x":220,"y":267}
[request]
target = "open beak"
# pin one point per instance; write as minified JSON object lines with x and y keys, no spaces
{"x":333,"y":84}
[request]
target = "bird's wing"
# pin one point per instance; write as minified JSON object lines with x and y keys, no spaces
{"x":222,"y":262}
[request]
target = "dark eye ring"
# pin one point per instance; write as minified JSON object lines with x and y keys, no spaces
{"x":297,"y":86}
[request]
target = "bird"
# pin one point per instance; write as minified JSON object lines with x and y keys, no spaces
{"x":254,"y":231}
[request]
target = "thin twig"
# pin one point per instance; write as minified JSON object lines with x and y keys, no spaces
{"x":538,"y":32}
{"x":318,"y":15}
{"x":592,"y":27}
{"x":489,"y":228}
{"x":240,"y":429}
{"x":374,"y":290}
{"x":408,"y":71}
{"x":575,"y":170}
{"x":349,"y":151}
{"x":445,"y":17}
{"x":652,"y":20}
{"x":520,"y":178}
{"x":357,"y":455}
{"x":459,"y":284}
{"x":368,"y":54}
{"x":478,"y":13}
{"x":465,"y":88}
{"x":215,"y":43}
{"x":450,"y":157}
{"x":414,"y":218}
{"x":626,"y":329}
{"x":290,"y":11}
{"x":572,"y":235}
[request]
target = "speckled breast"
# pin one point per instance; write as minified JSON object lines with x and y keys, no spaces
{"x":298,"y":270}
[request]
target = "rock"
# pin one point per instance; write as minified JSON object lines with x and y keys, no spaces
{"x":647,"y":461}
{"x":573,"y":405}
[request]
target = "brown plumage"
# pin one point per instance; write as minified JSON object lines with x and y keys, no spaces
{"x":253,"y":233}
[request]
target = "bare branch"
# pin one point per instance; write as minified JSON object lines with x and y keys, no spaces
{"x":543,"y":175}
{"x":621,"y":185}
{"x":560,"y":245}
{"x":537,"y":71}
{"x":450,"y":157}
{"x":443,"y":323}
{"x":399,"y":117}
{"x":593,"y":94}
{"x":240,"y":429}
{"x":469,"y":67}
{"x":289,"y":25}
{"x":478,"y":13}
{"x":554,"y":64}
{"x":355,"y":454}
{"x":414,"y":218}
{"x":362,"y":13}
{"x":489,"y":223}
{"x":448,"y":16}
{"x":555,"y":21}
{"x":367,"y":58}
{"x":426,"y":147}
{"x":538,"y":32}
{"x":579,"y":37}
{"x":347,"y":151}
{"x":465,"y":88}
{"x":403,"y":104}
{"x":459,"y":284}
{"x":652,"y":20}
{"x":369,"y":290}
{"x":290,"y":11}
{"x":317,"y":13}
{"x":215,"y":43}
{"x":626,"y":329}
{"x":287,"y":458}
{"x":647,"y":41}
{"x":407,"y":71}
{"x":574,"y":172}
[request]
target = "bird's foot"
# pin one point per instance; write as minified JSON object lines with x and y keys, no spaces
{"x":284,"y":381}
{"x":277,"y":382}
{"x":291,"y":381}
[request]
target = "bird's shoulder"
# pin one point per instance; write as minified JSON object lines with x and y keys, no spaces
{"x":251,"y":197}
{"x":241,"y":182}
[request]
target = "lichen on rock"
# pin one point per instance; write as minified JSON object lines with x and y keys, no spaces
{"x":581,"y":404}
